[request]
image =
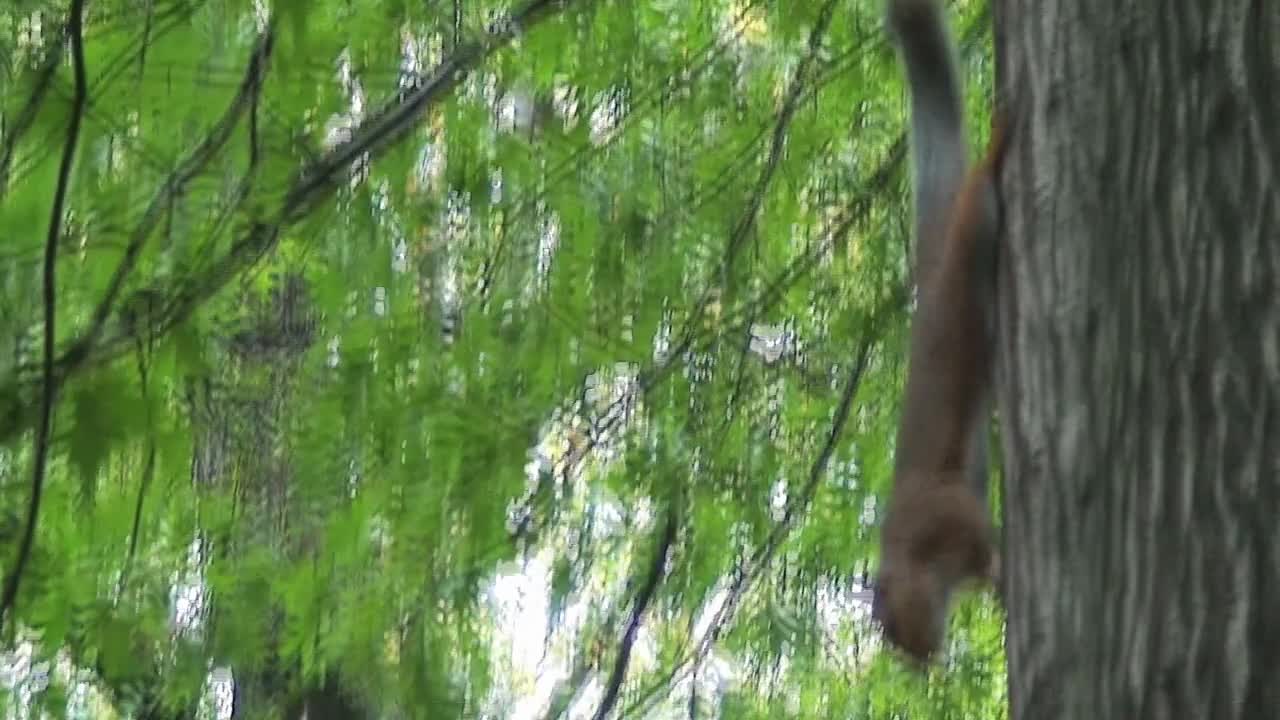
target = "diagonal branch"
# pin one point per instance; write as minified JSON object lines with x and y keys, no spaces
{"x":763,"y":556}
{"x":568,"y":690}
{"x":394,"y":120}
{"x":13,"y":412}
{"x":657,"y":570}
{"x":27,"y":115}
{"x":753,"y":567}
{"x":315,"y":183}
{"x":747,"y":220}
{"x":740,"y":319}
{"x":857,"y":210}
{"x":174,"y":187}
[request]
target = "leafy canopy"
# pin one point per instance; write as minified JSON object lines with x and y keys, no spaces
{"x":471,"y":359}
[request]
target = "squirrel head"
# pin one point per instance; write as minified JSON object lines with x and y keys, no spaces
{"x":911,"y":607}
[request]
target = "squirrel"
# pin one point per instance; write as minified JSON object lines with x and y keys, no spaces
{"x":937,"y":531}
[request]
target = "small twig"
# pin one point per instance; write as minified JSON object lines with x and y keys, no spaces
{"x":146,"y":39}
{"x":149,"y":468}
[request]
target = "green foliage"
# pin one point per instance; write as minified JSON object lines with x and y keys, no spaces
{"x":500,"y":348}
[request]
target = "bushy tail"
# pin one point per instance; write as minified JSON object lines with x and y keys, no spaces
{"x":940,"y":164}
{"x":939,"y":155}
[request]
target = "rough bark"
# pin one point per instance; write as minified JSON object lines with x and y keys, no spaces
{"x":1140,"y":358}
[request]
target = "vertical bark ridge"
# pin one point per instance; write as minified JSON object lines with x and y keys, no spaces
{"x":1140,"y":359}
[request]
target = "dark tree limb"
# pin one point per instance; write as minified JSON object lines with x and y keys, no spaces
{"x":49,"y":384}
{"x":657,"y":571}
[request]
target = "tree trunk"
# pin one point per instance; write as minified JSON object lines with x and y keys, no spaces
{"x":1139,"y":388}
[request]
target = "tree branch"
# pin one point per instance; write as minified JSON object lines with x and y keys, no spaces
{"x":750,"y":570}
{"x":313,"y":184}
{"x":657,"y":571}
{"x":27,"y":115}
{"x":747,"y":220}
{"x":195,"y":164}
{"x":45,"y":424}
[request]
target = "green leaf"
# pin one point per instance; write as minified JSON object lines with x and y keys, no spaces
{"x":107,"y":409}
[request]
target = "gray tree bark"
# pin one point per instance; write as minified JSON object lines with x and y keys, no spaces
{"x":1139,"y":388}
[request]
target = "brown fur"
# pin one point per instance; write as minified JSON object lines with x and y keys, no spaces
{"x":936,"y":533}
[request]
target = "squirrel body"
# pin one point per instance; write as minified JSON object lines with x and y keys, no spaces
{"x":937,"y":533}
